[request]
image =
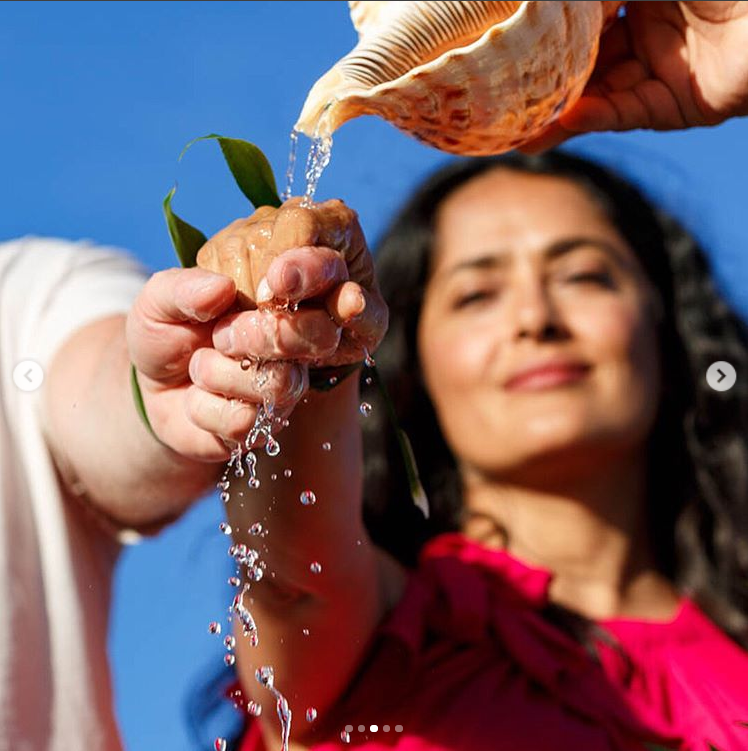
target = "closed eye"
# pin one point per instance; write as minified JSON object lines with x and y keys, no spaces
{"x":472,"y":298}
{"x":592,"y":277}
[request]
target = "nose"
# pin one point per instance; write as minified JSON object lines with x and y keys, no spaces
{"x":535,"y":314}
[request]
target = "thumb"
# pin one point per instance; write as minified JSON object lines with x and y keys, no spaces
{"x":169,"y":320}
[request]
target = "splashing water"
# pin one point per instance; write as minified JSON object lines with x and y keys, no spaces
{"x":308,"y":498}
{"x":266,"y":677}
{"x":345,"y":736}
{"x":319,"y":157}
{"x":245,"y":617}
{"x":254,"y":709}
{"x":214,"y":627}
{"x":290,"y":170}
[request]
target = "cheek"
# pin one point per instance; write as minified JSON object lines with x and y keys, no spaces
{"x":621,"y":339}
{"x":451,"y":361}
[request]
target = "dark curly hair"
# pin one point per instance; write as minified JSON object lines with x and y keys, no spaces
{"x":698,"y":448}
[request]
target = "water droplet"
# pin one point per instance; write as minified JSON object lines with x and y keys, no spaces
{"x":256,"y":573}
{"x":273,"y":477}
{"x":255,"y":529}
{"x":265,"y":675}
{"x":305,"y":631}
{"x":316,"y":567}
{"x":326,"y":446}
{"x":219,"y":744}
{"x":368,"y":380}
{"x":254,"y":483}
{"x":308,"y":498}
{"x":225,"y":528}
{"x":214,"y":627}
{"x":229,"y":659}
{"x":224,"y":484}
{"x":365,"y":409}
{"x":272,"y":447}
{"x":332,"y":380}
{"x":246,"y":364}
{"x":287,"y":473}
{"x":229,"y":642}
{"x":358,"y":542}
{"x":311,"y":714}
{"x":286,"y":423}
{"x":234,"y":581}
{"x":368,"y":360}
{"x":225,"y":497}
{"x":345,"y":737}
{"x":254,"y":709}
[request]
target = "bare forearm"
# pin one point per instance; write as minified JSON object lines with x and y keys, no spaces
{"x":322,"y":449}
{"x":99,"y":441}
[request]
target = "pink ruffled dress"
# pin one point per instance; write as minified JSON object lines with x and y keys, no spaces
{"x":465,"y":662}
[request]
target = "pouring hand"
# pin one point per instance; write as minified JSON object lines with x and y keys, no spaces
{"x":663,"y":66}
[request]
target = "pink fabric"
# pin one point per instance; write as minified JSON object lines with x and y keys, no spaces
{"x":466,"y":662}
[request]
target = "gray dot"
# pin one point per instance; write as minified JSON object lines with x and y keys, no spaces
{"x":398,"y":728}
{"x":385,"y":728}
{"x":349,"y":728}
{"x":361,"y":728}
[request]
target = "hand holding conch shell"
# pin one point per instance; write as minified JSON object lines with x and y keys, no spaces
{"x":664,"y":66}
{"x":466,"y":77}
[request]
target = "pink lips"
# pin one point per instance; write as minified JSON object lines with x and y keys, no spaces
{"x":547,"y":375}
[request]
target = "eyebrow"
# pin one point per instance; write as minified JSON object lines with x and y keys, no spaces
{"x":499,"y":258}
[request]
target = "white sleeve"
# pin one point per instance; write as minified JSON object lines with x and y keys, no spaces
{"x":51,"y":288}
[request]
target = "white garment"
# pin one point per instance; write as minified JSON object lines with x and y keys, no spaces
{"x":55,"y":563}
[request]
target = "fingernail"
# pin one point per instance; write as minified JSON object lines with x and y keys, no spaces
{"x":223,"y":338}
{"x":264,"y":293}
{"x":194,"y":363}
{"x":291,"y":278}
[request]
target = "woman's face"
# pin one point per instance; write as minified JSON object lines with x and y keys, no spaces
{"x":537,"y":335}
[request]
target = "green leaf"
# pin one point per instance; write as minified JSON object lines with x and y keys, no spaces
{"x":187,"y":240}
{"x":417,"y":493}
{"x":137,"y":396}
{"x":250,"y":168}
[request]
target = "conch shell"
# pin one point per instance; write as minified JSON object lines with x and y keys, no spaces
{"x":467,"y":77}
{"x":245,"y":248}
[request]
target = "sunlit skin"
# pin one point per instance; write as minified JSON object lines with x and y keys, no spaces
{"x":528,"y":268}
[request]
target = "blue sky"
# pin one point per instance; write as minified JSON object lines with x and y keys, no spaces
{"x":98,"y":100}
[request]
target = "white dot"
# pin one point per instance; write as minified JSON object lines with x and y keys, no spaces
{"x":373,"y":728}
{"x":349,"y":728}
{"x":398,"y":728}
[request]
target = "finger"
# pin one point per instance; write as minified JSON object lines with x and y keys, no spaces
{"x":281,"y":383}
{"x":161,"y":328}
{"x":228,"y":418}
{"x":362,"y":313}
{"x":302,"y":274}
{"x":168,"y":419}
{"x":615,"y":47}
{"x":551,"y":137}
{"x":308,"y":334}
{"x":649,"y":104}
{"x":180,"y":295}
